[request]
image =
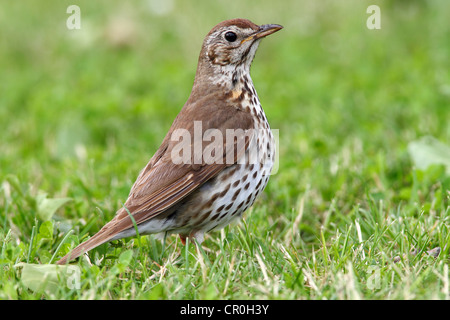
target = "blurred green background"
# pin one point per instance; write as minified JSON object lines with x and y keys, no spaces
{"x":82,"y":111}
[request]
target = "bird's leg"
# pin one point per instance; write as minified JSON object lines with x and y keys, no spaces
{"x":164,"y":244}
{"x":194,"y":235}
{"x":197,"y":235}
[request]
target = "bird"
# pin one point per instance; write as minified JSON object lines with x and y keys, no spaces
{"x":217,"y":156}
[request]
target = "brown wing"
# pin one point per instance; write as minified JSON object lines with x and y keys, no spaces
{"x":162,"y":183}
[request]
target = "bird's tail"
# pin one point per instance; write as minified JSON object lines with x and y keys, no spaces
{"x":104,"y":235}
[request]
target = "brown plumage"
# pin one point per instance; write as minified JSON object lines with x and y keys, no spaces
{"x":196,"y":196}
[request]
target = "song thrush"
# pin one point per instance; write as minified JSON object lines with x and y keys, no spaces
{"x":181,"y":190}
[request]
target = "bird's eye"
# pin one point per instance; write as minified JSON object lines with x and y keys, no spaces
{"x":230,"y":36}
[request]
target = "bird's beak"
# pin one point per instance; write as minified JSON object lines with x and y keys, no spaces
{"x":263,"y":31}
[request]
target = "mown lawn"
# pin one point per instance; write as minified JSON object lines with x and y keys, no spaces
{"x":358,"y":209}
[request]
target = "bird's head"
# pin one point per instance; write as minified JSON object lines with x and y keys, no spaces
{"x":231,"y":45}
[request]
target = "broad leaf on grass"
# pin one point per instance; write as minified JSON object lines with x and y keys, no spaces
{"x":123,"y":262}
{"x":428,"y":151}
{"x":49,"y":278}
{"x":46,"y":207}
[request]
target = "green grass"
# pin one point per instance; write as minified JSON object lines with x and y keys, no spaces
{"x":82,"y":112}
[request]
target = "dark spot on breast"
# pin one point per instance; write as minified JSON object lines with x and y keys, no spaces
{"x":205,"y":215}
{"x":209,"y":203}
{"x":246,"y":88}
{"x":259,"y":183}
{"x":214,"y":197}
{"x":229,"y":173}
{"x":224,"y":192}
{"x":235,"y":195}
